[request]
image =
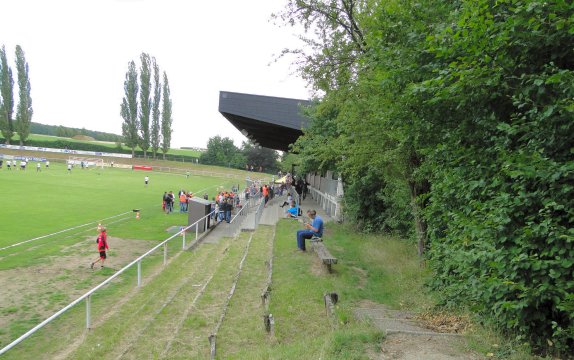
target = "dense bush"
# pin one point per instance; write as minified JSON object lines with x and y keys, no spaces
{"x":502,"y":201}
{"x":476,"y":99}
{"x":376,"y":206}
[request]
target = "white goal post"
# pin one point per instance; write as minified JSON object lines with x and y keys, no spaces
{"x":86,"y":162}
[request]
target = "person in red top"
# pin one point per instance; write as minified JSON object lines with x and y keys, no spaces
{"x":102,"y":246}
{"x":265,"y":194}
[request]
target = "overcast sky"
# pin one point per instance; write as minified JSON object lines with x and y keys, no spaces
{"x":78,"y":53}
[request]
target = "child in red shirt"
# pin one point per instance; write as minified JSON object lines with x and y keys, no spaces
{"x":102,"y":246}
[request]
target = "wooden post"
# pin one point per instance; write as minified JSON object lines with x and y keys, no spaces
{"x":330,"y":301}
{"x":212,"y":345}
{"x":269,"y":323}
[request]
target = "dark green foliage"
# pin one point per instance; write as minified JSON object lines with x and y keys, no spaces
{"x":63,"y":131}
{"x":260,"y":157}
{"x":129,"y":108}
{"x":24,"y":109}
{"x":375,"y":206}
{"x":145,"y":102}
{"x":469,"y":106}
{"x":155,"y":135}
{"x":166,"y":119}
{"x":87,"y":146}
{"x":7,"y":126}
{"x":222,"y":152}
{"x":502,"y":204}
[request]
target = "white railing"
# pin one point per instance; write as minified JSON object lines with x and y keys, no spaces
{"x":329,"y":203}
{"x":195,"y":172}
{"x":87,"y":296}
{"x":235,"y":223}
{"x":259,"y":211}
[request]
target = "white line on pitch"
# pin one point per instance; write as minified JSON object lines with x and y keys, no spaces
{"x":61,"y":231}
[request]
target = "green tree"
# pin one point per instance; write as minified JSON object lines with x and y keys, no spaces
{"x":24,"y":109}
{"x":362,"y":56}
{"x":260,"y":157}
{"x":129,"y":108}
{"x":145,"y":102}
{"x":337,"y":41}
{"x":473,"y":97}
{"x":6,"y":97}
{"x":155,"y":123}
{"x":166,"y":119}
{"x":222,"y":152}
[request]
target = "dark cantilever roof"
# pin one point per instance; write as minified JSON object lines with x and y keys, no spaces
{"x":272,"y":122}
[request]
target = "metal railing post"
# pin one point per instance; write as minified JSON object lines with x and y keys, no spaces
{"x":88,"y":310}
{"x":196,"y":230}
{"x":165,"y":253}
{"x":183,"y":245}
{"x":139,"y":273}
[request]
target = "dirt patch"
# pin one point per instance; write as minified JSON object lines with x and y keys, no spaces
{"x":408,"y":338}
{"x":409,"y":347}
{"x":444,"y":322}
{"x":46,"y":288}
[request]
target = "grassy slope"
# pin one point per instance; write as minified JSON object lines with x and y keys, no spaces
{"x":165,"y":319}
{"x":111,"y":145}
{"x":168,"y":319}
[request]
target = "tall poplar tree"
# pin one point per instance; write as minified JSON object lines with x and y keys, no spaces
{"x":166,"y":119}
{"x":155,"y":124}
{"x":129,"y":108}
{"x":6,"y":97}
{"x":145,"y":102}
{"x":24,"y":110}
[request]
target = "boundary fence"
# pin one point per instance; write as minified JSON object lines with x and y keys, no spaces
{"x":137,"y":262}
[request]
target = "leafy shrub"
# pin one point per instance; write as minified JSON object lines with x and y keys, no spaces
{"x":502,"y":204}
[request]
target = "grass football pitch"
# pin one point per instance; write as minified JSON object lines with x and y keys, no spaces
{"x":49,"y":223}
{"x":40,"y":203}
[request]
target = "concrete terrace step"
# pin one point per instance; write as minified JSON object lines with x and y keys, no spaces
{"x":271,"y":213}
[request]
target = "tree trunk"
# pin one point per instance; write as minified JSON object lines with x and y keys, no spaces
{"x":420,"y":225}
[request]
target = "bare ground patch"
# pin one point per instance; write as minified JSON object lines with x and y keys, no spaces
{"x":411,"y":338}
{"x":409,"y":347}
{"x":46,"y":288}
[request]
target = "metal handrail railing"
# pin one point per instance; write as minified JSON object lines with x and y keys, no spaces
{"x":327,"y":202}
{"x":87,"y":295}
{"x":259,"y":211}
{"x":237,"y":219}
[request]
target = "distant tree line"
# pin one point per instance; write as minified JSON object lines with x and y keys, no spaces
{"x":452,"y":123}
{"x":223,"y":152}
{"x":63,"y":131}
{"x":20,"y":124}
{"x":144,"y":124}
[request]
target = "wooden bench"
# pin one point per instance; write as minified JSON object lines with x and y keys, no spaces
{"x":323,"y":253}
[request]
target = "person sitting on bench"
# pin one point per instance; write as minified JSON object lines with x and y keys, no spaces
{"x":293,"y":211}
{"x":315,"y":228}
